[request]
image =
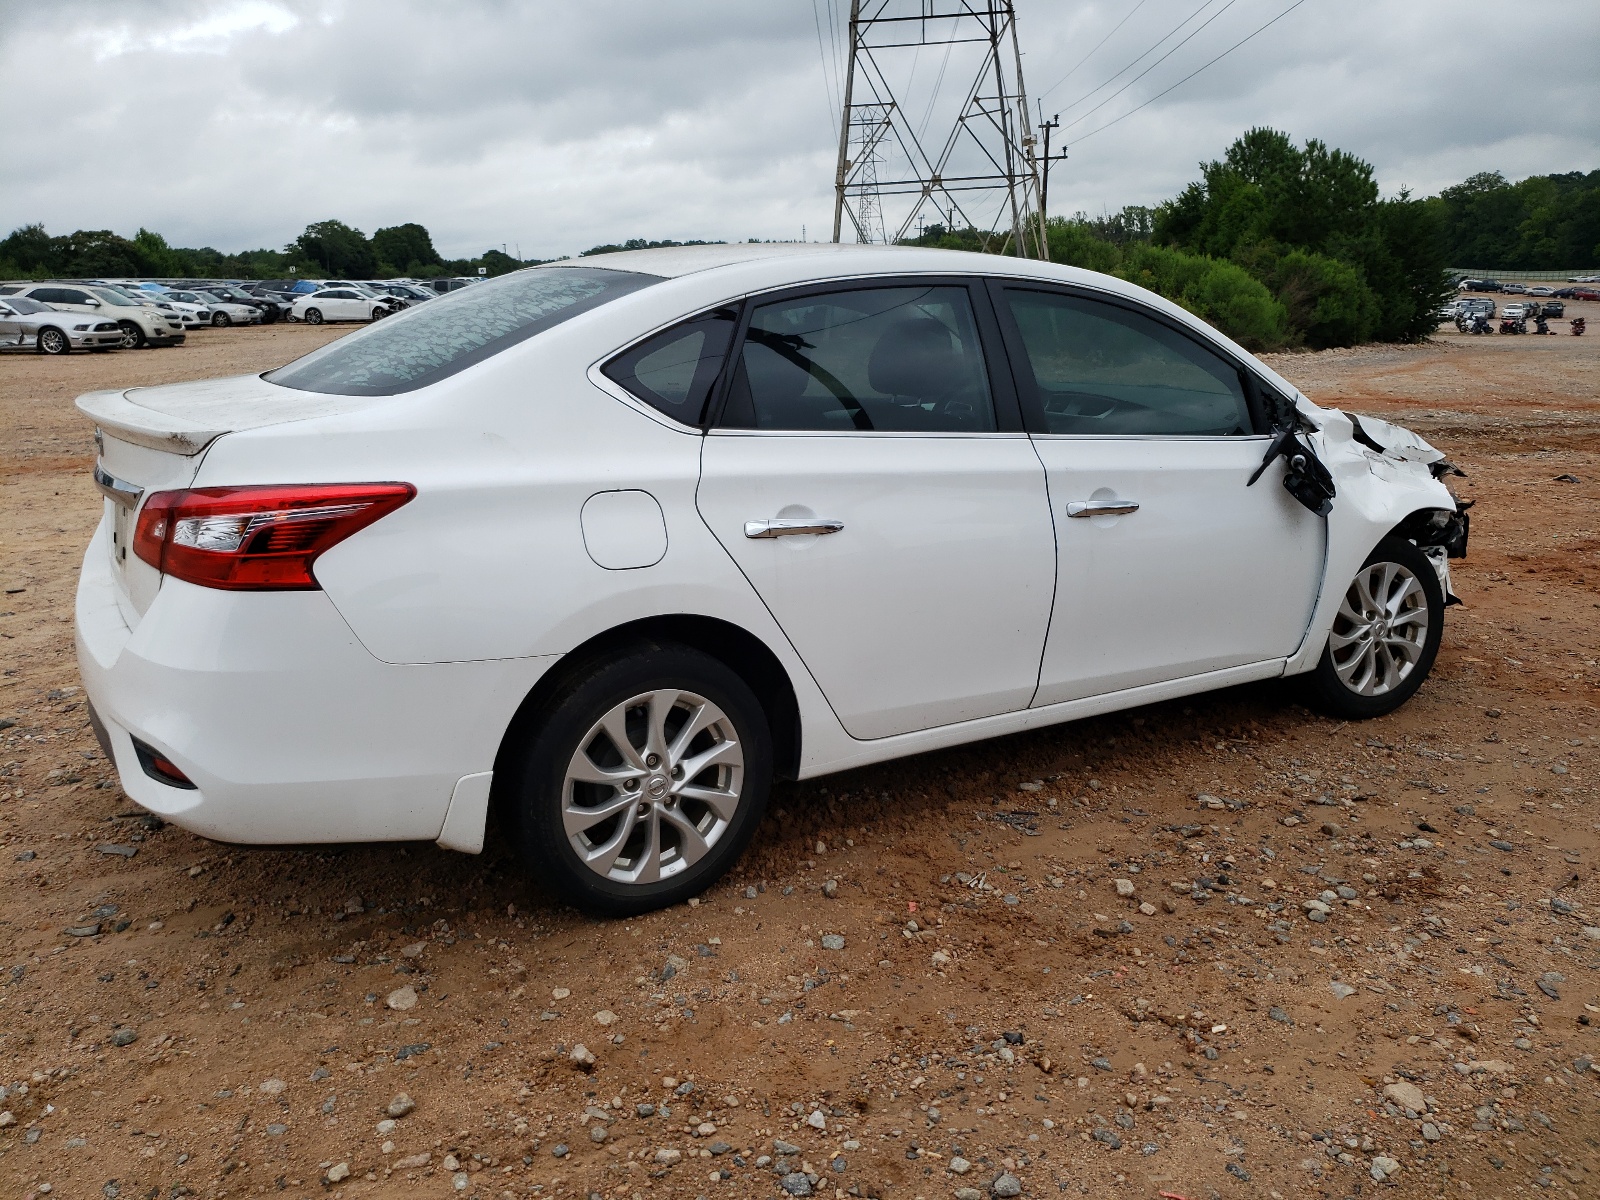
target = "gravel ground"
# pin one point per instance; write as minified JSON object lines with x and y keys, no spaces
{"x":1213,"y":948}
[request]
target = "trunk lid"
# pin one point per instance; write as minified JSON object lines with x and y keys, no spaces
{"x":154,"y":439}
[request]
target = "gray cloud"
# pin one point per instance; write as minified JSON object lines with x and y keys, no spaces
{"x":556,"y":126}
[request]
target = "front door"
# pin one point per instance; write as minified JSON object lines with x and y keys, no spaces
{"x":865,"y":480}
{"x":1169,"y":566}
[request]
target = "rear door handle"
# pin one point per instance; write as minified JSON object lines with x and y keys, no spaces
{"x":789,"y":527}
{"x":1102,"y":508}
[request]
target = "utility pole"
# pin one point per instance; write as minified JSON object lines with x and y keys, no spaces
{"x":981,"y":168}
{"x":1045,"y":160}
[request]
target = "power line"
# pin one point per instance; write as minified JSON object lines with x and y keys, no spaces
{"x":827,"y":80}
{"x":1196,"y":71}
{"x":1085,"y":116}
{"x":1204,"y":4}
{"x":1090,"y":55}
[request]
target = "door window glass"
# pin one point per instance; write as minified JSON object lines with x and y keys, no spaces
{"x":674,"y":371}
{"x":50,"y":295}
{"x":895,"y":359}
{"x":1100,"y":368}
{"x":73,"y":296}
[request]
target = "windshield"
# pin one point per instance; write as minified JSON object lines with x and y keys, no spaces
{"x":22,"y":306}
{"x":112,"y":296}
{"x":433,"y":341}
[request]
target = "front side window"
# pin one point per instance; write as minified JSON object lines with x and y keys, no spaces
{"x":674,"y":371}
{"x":1100,"y":368}
{"x":889,"y":359}
{"x":422,"y":345}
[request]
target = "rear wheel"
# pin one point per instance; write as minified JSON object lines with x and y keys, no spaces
{"x":643,"y":782}
{"x":53,"y":341}
{"x":1385,"y":636}
{"x":133,"y":337}
{"x":313,"y":316}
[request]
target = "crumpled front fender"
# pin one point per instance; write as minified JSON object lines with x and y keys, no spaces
{"x":1378,"y":489}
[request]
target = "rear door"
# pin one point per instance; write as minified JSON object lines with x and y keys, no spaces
{"x":1169,"y":566}
{"x":870,"y":477}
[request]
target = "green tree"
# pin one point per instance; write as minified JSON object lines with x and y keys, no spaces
{"x":407,"y":250}
{"x":336,"y":249}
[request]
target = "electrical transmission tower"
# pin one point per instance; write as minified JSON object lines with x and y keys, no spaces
{"x":979,"y":169}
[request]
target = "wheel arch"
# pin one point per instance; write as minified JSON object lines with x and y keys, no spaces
{"x":737,"y":648}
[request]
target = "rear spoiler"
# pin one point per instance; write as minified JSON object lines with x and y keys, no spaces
{"x":130,"y":422}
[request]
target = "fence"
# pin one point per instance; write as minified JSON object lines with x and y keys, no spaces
{"x":1522,"y":276}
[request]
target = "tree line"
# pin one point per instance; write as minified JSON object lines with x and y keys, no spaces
{"x":1281,"y":246}
{"x":1275,"y":244}
{"x":326,"y":248}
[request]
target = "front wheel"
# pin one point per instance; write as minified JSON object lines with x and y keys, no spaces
{"x":133,"y":337}
{"x":313,"y":316}
{"x":53,"y":341}
{"x":221,"y":320}
{"x":642,"y":784}
{"x":1385,"y":636}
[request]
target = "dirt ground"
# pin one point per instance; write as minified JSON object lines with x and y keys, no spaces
{"x":179,"y":1018}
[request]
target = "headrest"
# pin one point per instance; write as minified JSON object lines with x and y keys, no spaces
{"x":918,"y":357}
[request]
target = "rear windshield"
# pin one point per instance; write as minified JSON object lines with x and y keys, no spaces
{"x":425,"y":344}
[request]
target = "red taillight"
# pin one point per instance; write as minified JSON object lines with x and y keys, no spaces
{"x":256,"y":538}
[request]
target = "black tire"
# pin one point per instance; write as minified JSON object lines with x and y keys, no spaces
{"x":133,"y":335}
{"x":221,"y":320}
{"x":534,"y":765}
{"x":53,"y":341}
{"x":1325,"y":690}
{"x":313,"y":316}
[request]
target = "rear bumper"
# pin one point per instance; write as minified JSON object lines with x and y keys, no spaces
{"x":290,"y":730}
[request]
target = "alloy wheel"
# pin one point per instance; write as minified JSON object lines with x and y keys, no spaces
{"x":1381,"y":628}
{"x":652,"y":787}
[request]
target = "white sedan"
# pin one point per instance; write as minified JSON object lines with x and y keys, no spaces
{"x":341,"y":304}
{"x":610,"y":545}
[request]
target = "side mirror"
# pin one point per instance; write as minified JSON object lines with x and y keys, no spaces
{"x":92,"y":302}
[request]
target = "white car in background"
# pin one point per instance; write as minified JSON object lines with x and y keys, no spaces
{"x":611,"y":544}
{"x":348,"y":303}
{"x":193,"y":313}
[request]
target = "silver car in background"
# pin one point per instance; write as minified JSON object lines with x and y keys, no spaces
{"x":29,"y":325}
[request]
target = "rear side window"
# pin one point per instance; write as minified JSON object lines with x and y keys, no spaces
{"x":674,"y":371}
{"x":435,"y":340}
{"x":891,"y":359}
{"x":1100,"y":368}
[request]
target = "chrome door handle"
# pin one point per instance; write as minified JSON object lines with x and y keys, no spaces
{"x":1102,"y":508}
{"x":789,"y":527}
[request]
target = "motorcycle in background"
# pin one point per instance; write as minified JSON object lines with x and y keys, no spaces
{"x":1513,"y":325}
{"x":1579,"y":324}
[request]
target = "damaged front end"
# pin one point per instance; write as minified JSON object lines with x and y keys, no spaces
{"x":1440,"y":533}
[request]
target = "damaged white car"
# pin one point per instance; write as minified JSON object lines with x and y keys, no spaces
{"x":609,"y":544}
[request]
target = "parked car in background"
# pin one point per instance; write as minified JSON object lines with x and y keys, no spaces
{"x":449,"y":283}
{"x":29,"y":325}
{"x":1476,"y":306}
{"x":1586,"y":293}
{"x":403,"y":291}
{"x":340,"y":304}
{"x":1479,"y":285}
{"x":617,"y":544}
{"x":141,"y":323}
{"x":223,"y":312}
{"x":1554,"y":308}
{"x":1514,"y":289}
{"x":1584,"y":279}
{"x":1541,"y":290}
{"x":1514,"y":312}
{"x":269,"y":310}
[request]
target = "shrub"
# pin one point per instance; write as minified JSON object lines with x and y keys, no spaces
{"x":1219,"y":292}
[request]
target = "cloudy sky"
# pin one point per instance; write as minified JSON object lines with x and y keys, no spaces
{"x":555,"y":126}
